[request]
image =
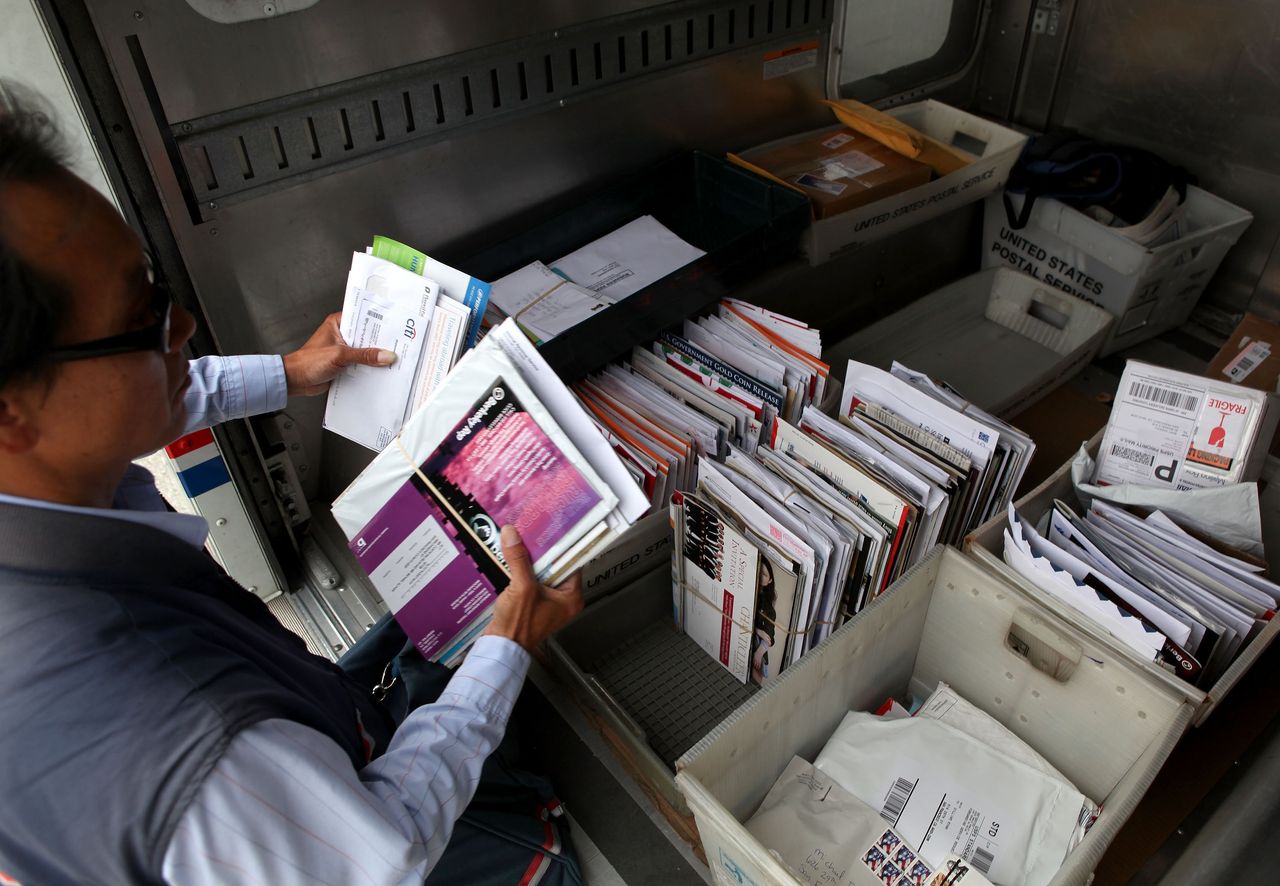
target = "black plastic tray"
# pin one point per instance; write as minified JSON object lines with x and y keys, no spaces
{"x":744,"y":223}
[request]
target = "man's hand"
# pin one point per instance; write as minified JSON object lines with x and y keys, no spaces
{"x":527,"y":611}
{"x":309,"y":369}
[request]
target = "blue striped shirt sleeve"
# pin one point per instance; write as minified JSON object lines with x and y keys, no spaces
{"x":285,"y":805}
{"x":226,"y":388}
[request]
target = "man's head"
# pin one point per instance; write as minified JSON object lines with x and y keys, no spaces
{"x":73,"y":274}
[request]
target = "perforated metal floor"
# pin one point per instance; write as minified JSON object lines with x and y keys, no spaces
{"x":672,"y":689}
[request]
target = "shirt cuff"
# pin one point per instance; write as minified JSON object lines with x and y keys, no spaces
{"x":275,"y":386}
{"x":491,"y":675}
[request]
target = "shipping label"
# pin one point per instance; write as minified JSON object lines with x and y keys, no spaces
{"x":1249,"y":359}
{"x":1176,"y":432}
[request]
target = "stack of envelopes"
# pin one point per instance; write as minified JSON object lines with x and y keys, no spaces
{"x":1163,"y":593}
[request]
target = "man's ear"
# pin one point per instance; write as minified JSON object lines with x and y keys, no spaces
{"x":18,"y":432}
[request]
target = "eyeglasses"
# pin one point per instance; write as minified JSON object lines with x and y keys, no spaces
{"x":154,"y":337}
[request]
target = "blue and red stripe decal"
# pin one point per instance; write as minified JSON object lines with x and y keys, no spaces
{"x":198,"y":462}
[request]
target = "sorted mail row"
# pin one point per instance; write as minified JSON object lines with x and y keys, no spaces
{"x":1164,"y":552}
{"x":786,"y":521}
{"x":1163,"y":593}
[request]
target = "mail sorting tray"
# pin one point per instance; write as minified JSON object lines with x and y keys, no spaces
{"x":986,"y":543}
{"x":1106,"y":724}
{"x":1001,"y":338}
{"x":743,"y":223}
{"x":653,"y":692}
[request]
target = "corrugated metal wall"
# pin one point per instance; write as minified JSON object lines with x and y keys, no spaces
{"x":1198,"y":83}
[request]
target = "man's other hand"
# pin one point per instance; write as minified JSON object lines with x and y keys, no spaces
{"x":528,"y":611}
{"x":309,"y":369}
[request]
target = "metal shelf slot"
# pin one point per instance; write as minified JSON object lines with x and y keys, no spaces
{"x":234,"y":155}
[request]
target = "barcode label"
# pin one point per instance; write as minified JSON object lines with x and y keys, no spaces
{"x":1242,"y":368}
{"x":1128,"y":453}
{"x":374,"y":314}
{"x":982,"y":861}
{"x":1247,"y":360}
{"x":1164,"y":396}
{"x":899,"y":794}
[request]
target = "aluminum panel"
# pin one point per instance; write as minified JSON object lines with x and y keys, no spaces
{"x":1001,"y":57}
{"x":205,"y":67}
{"x":236,"y":154}
{"x":268,"y":269}
{"x":1197,"y":83}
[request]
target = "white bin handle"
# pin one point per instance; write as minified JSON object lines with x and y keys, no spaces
{"x":1043,"y":646}
{"x":1055,"y":312}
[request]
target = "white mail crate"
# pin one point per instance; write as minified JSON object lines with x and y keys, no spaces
{"x":986,"y":543}
{"x":645,"y":546}
{"x":1104,"y":723}
{"x":1000,"y":338}
{"x":995,"y":149}
{"x":1149,"y":290}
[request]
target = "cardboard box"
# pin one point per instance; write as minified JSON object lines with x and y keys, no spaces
{"x":993,"y":150}
{"x":1251,"y":356}
{"x":840,"y":170}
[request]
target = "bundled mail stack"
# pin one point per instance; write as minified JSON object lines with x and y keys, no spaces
{"x":421,"y":310}
{"x":788,"y":521}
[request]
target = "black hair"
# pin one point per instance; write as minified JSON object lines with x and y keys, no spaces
{"x":31,"y":306}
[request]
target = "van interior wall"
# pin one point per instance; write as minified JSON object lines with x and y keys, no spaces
{"x":1199,"y":84}
{"x":1195,"y":83}
{"x":269,"y":263}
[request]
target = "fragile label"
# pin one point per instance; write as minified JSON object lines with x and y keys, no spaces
{"x":1216,"y":445}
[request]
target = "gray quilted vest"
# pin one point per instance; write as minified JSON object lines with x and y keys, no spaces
{"x":128,"y":661}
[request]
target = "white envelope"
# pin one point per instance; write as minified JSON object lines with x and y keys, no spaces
{"x":627,"y":260}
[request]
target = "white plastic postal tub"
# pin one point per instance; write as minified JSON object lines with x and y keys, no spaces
{"x":649,"y":689}
{"x":986,"y":544}
{"x":1000,"y":338}
{"x":1148,"y":290}
{"x":1106,"y":724}
{"x":995,"y":149}
{"x":645,"y":546}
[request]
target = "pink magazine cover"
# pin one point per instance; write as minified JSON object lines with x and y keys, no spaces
{"x":433,"y":550}
{"x":499,"y":467}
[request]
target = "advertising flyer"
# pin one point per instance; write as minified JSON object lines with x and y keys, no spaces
{"x":433,"y":550}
